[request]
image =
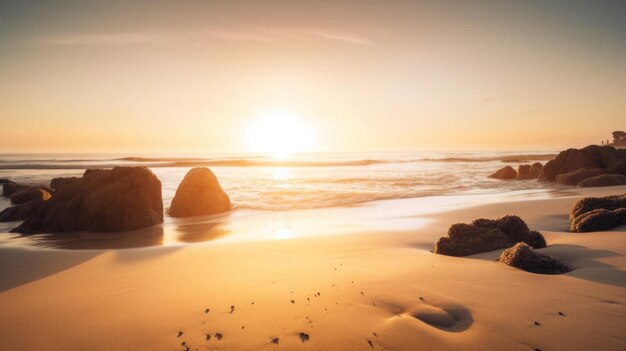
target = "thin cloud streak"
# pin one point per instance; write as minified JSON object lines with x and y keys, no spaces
{"x":256,"y":34}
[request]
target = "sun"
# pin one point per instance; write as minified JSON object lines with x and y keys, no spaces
{"x":279,"y":133}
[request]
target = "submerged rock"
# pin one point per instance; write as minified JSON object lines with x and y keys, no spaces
{"x":504,"y":173}
{"x":599,"y":220}
{"x":484,"y":235}
{"x":198,"y":194}
{"x":524,"y":257}
{"x":120,"y":199}
{"x":21,"y":212}
{"x":603,"y":180}
{"x":9,"y":188}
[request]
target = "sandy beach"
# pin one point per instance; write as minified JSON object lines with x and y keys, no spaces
{"x":354,"y":290}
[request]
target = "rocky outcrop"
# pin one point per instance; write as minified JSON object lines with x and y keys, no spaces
{"x":120,"y":199}
{"x":504,"y":173}
{"x":10,"y":187}
{"x":598,"y":213}
{"x":198,"y":194}
{"x":577,"y":176}
{"x":603,"y":180}
{"x":29,"y":194}
{"x":607,"y":158}
{"x":535,"y":170}
{"x":524,"y":257}
{"x":483,"y":235}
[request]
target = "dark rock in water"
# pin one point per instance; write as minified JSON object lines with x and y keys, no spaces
{"x":120,"y":199}
{"x":11,"y":187}
{"x":4,"y":180}
{"x":199,"y":194}
{"x":603,"y":180}
{"x":535,"y":170}
{"x":523,"y":172}
{"x":599,"y":220}
{"x":55,"y":183}
{"x":592,"y":203}
{"x":504,"y":173}
{"x":21,"y":212}
{"x":593,"y":156}
{"x":29,"y":194}
{"x":575,"y":177}
{"x":484,"y":235}
{"x":524,"y":257}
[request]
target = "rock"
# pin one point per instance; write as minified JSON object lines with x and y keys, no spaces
{"x":599,"y":220}
{"x":484,"y":235}
{"x":575,"y":177}
{"x":199,"y":194}
{"x":588,"y":204}
{"x":535,"y":170}
{"x":593,"y":156}
{"x":4,"y":180}
{"x":55,"y":183}
{"x":21,"y":212}
{"x":524,"y":257}
{"x":120,"y":199}
{"x":603,"y":180}
{"x":523,"y":172}
{"x":504,"y":173}
{"x":9,"y":188}
{"x":29,"y":194}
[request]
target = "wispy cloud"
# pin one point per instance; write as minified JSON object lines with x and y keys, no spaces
{"x":488,"y":99}
{"x":249,"y":34}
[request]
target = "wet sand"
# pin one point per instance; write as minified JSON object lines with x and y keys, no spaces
{"x":354,"y":288}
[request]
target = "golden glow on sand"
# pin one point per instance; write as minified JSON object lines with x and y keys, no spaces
{"x":279,"y":133}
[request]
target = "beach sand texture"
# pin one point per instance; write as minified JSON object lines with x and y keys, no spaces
{"x":375,"y":290}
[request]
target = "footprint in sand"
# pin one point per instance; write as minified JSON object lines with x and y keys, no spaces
{"x":439,"y":312}
{"x":304,"y":337}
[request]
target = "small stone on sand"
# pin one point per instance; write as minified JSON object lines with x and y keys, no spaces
{"x":180,"y":333}
{"x":219,"y":336}
{"x":275,"y":341}
{"x":304,"y":337}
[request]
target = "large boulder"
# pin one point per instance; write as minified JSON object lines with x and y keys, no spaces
{"x":504,"y":173}
{"x":29,"y":194}
{"x":523,"y":172}
{"x":535,"y":170}
{"x":524,"y":257}
{"x":575,"y":177}
{"x":593,"y":156}
{"x":120,"y":199}
{"x":603,"y":180}
{"x":198,"y":194}
{"x":599,"y":220}
{"x":4,"y":180}
{"x":483,"y":235}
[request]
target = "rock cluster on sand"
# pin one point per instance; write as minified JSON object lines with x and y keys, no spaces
{"x":483,"y":235}
{"x":572,"y":166}
{"x":199,"y":194}
{"x":598,"y":213}
{"x":120,"y":199}
{"x":524,"y":257}
{"x":524,"y":172}
{"x":29,"y":194}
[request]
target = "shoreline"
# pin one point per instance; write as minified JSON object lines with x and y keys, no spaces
{"x":378,"y":281}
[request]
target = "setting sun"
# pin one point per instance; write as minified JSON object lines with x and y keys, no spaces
{"x":279,"y":133}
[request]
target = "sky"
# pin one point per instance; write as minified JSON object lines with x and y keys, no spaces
{"x":196,"y":76}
